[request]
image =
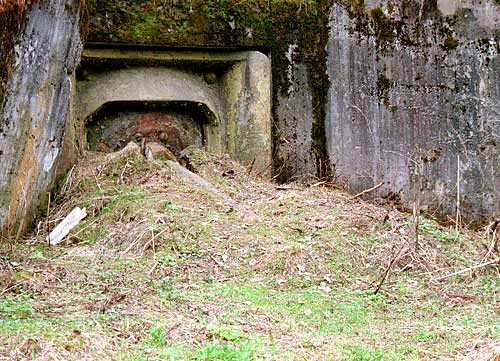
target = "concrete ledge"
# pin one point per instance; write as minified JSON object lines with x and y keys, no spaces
{"x":166,"y":57}
{"x":145,"y":84}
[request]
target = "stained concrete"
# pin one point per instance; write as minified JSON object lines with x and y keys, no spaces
{"x":248,"y":103}
{"x":146,"y":84}
{"x":36,"y":109}
{"x":295,"y":130}
{"x":175,"y":126}
{"x":423,"y":119}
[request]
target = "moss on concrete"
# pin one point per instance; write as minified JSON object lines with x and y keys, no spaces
{"x":259,"y":24}
{"x":271,"y":26}
{"x":450,"y":43}
{"x":384,"y":84}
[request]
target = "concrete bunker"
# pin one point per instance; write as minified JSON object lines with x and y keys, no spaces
{"x":219,"y":100}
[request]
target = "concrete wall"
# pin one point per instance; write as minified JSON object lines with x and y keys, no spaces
{"x":414,"y":111}
{"x":235,"y":88}
{"x":34,"y":114}
{"x":11,"y":19}
{"x":295,"y":116}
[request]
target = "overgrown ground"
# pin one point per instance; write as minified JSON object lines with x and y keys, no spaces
{"x":162,"y":269}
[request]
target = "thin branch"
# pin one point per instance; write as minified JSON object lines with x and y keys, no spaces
{"x":496,"y":260}
{"x":372,"y":189}
{"x":458,"y":215}
{"x":386,"y":274}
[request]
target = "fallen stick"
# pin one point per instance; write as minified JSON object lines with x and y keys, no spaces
{"x":388,"y":270}
{"x":200,"y":182}
{"x":150,"y":272}
{"x":496,"y":260}
{"x":7,"y":289}
{"x":372,"y":189}
{"x":84,"y":228}
{"x":152,"y":240}
{"x":492,"y":229}
{"x":136,"y":241}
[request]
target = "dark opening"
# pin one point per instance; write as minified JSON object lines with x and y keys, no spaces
{"x":175,"y":124}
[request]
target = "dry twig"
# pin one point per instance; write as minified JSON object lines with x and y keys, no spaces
{"x":482,"y":265}
{"x":388,"y":270}
{"x":369,"y":190}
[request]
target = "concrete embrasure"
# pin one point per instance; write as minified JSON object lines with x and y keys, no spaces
{"x":413,"y":99}
{"x":119,"y":123}
{"x":234,"y":87}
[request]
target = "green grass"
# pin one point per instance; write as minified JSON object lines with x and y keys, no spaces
{"x":21,"y":319}
{"x":242,"y":351}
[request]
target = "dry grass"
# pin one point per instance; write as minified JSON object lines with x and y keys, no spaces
{"x":489,"y":351}
{"x":162,"y":269}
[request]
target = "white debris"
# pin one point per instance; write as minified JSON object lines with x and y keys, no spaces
{"x":68,"y":223}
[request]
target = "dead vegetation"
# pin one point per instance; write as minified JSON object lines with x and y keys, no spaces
{"x":165,"y":269}
{"x":490,"y":351}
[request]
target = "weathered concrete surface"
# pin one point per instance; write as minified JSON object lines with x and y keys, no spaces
{"x":146,"y":84}
{"x":413,"y":107}
{"x":234,"y":87}
{"x":247,"y":93}
{"x":35,"y":111}
{"x":11,"y":18}
{"x":295,"y":125}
